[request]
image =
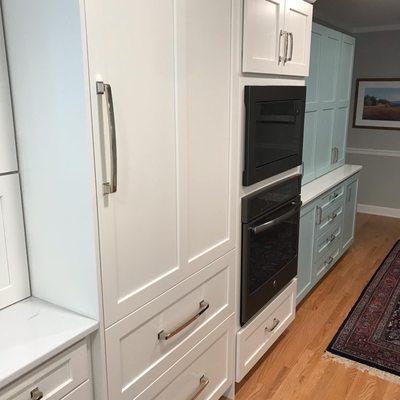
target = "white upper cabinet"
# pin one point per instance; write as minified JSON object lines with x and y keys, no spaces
{"x":14,"y":279}
{"x":8,"y":155}
{"x":277,"y":37}
{"x":262,"y":35}
{"x":298,"y":25}
{"x":171,"y":151}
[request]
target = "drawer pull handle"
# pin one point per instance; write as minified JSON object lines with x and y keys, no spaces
{"x":204,"y":306}
{"x":204,"y":381}
{"x":329,"y":261}
{"x":274,"y":325}
{"x":36,"y":394}
{"x":332,"y":238}
{"x":319,"y":215}
{"x":333,"y":217}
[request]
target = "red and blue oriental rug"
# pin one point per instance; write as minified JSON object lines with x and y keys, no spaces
{"x":370,"y":335}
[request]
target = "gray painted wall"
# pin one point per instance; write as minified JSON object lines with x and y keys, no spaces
{"x":377,"y":56}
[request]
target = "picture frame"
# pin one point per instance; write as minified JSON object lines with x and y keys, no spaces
{"x":377,"y":104}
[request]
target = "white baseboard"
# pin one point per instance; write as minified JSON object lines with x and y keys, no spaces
{"x":376,"y":210}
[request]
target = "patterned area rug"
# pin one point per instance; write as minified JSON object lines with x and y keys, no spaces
{"x":370,"y":335}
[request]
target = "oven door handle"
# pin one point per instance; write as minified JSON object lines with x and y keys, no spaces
{"x":268,"y":225}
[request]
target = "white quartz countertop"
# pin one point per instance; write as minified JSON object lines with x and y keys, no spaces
{"x":314,"y":189}
{"x":32,"y":331}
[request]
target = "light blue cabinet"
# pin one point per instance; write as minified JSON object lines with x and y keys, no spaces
{"x":326,"y":232}
{"x":350,"y":209}
{"x":306,"y":250}
{"x":328,"y":99}
{"x":343,"y":98}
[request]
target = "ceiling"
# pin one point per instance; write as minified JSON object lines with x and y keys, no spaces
{"x":359,"y":15}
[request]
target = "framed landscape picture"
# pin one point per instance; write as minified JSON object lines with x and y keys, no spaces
{"x":377,"y":104}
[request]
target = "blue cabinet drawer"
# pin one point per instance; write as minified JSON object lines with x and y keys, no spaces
{"x":328,"y":217}
{"x":328,"y":240}
{"x":327,"y":261}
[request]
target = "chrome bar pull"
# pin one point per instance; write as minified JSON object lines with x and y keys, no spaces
{"x":275,"y":323}
{"x":281,"y":35}
{"x":111,"y":186}
{"x":163,"y":335}
{"x":319,"y":215}
{"x":204,"y":382}
{"x":36,"y":394}
{"x":333,"y":216}
{"x":290,"y":35}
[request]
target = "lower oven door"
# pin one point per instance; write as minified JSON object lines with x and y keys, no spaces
{"x":269,"y":257}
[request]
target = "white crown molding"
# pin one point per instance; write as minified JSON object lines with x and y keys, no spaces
{"x":382,"y":28}
{"x":373,"y":152}
{"x":377,"y":210}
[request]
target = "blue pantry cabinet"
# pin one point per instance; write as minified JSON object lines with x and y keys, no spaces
{"x":328,"y":101}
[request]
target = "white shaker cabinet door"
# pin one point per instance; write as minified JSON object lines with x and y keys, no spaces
{"x":298,"y":25}
{"x":263,"y":42}
{"x":8,"y":155}
{"x":169,"y":66}
{"x":14,"y":280}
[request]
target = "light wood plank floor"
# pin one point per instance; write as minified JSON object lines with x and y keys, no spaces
{"x":294,"y":368}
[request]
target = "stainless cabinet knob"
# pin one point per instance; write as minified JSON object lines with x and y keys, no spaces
{"x":36,"y":394}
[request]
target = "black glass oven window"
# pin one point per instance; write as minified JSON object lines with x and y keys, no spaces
{"x":276,"y":137}
{"x":270,"y":251}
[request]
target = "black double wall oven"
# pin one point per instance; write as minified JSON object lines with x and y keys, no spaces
{"x":273,"y":131}
{"x":270,"y":236}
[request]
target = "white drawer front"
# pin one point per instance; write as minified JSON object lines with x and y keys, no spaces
{"x":83,"y":392}
{"x":137,"y":353}
{"x":206,"y":371}
{"x":258,"y":336}
{"x":54,"y":379}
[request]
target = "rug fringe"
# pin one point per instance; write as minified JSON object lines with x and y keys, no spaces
{"x":362,"y":367}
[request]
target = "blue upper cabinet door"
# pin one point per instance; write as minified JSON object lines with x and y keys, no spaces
{"x":343,"y":99}
{"x":327,"y":91}
{"x":310,"y":123}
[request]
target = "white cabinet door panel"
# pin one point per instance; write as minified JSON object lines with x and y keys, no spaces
{"x":170,"y":68}
{"x":263,"y":22}
{"x":8,"y":155}
{"x":298,"y":23}
{"x":14,"y":280}
{"x":205,"y":127}
{"x":131,"y":47}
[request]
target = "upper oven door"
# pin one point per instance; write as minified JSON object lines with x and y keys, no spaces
{"x":274,"y":136}
{"x":269,"y":256}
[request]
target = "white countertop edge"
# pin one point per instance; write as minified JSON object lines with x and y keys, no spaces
{"x":83,"y":327}
{"x":316,"y":188}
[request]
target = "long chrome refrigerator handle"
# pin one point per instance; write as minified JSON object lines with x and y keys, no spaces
{"x":204,"y":381}
{"x":290,"y":35}
{"x":111,"y":186}
{"x":163,"y":335}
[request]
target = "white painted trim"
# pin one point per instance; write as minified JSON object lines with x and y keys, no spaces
{"x":377,"y":210}
{"x":381,"y":28}
{"x":374,"y":152}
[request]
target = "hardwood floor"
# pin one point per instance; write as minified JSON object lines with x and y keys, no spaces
{"x":294,"y":368}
